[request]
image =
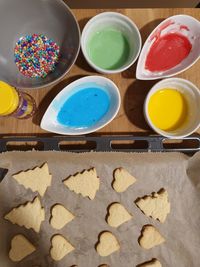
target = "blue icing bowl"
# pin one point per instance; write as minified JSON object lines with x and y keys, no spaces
{"x":82,"y":107}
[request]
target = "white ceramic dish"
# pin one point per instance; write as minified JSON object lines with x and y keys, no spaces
{"x":119,"y":22}
{"x":187,"y":26}
{"x":49,"y":121}
{"x":192,"y":95}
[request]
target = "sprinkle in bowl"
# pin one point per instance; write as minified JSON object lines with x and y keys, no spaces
{"x":47,"y":25}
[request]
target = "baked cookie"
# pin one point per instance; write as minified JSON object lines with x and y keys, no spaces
{"x":20,"y":248}
{"x":117,"y":215}
{"x":60,"y":216}
{"x":151,"y":263}
{"x":37,"y":179}
{"x":150,"y":237}
{"x":122,"y":180}
{"x":107,"y":244}
{"x":29,"y":215}
{"x":85,"y":183}
{"x":60,"y":247}
{"x":155,"y":205}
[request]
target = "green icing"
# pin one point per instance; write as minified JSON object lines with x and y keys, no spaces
{"x":108,"y":49}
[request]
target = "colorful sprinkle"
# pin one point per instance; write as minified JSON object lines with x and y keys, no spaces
{"x":36,"y":55}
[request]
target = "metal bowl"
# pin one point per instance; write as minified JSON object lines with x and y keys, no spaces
{"x":52,"y":18}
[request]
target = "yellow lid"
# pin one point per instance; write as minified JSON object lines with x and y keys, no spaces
{"x":9,"y":99}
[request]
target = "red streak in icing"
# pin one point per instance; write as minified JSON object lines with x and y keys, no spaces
{"x":184,"y":27}
{"x":157,"y":33}
{"x":167,"y":52}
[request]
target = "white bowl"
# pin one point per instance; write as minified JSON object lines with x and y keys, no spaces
{"x":118,"y":22}
{"x":192,"y":95}
{"x":184,"y":24}
{"x":49,"y":121}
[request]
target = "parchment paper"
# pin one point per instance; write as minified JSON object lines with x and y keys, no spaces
{"x":177,"y":173}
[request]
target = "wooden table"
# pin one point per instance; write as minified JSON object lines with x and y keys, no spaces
{"x":130,"y":118}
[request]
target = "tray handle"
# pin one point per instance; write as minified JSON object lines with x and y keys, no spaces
{"x":105,"y":143}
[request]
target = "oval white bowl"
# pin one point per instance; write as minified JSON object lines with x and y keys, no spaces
{"x":49,"y":121}
{"x":184,"y":24}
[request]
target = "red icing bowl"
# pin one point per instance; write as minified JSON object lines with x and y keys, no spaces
{"x":171,"y":48}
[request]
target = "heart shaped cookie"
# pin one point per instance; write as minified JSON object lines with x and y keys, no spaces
{"x":60,"y":216}
{"x":20,"y":248}
{"x":117,"y":215}
{"x":150,"y":237}
{"x":107,"y":244}
{"x":122,"y":180}
{"x":60,"y":247}
{"x":151,"y":263}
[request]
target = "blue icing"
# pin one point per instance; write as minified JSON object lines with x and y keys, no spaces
{"x":84,"y":108}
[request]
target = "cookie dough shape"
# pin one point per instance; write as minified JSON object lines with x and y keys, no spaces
{"x":155,"y":205}
{"x":29,"y":215}
{"x":122,"y":180}
{"x":37,"y":179}
{"x":20,"y":248}
{"x":151,"y":263}
{"x":150,"y":237}
{"x":60,"y":216}
{"x":85,"y":183}
{"x":107,"y":244}
{"x":60,"y":247}
{"x":117,"y":215}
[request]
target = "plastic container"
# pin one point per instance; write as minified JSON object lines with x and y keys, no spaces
{"x":15,"y":103}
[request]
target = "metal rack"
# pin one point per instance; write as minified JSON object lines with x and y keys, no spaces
{"x":105,"y":143}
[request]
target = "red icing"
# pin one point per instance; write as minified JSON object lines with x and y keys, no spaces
{"x":184,"y":27}
{"x":167,"y":51}
{"x":161,"y":28}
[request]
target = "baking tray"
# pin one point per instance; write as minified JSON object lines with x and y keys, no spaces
{"x":165,"y":170}
{"x":115,"y":143}
{"x":176,"y":172}
{"x":121,"y":143}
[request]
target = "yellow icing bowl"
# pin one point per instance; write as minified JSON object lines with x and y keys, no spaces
{"x":171,"y":108}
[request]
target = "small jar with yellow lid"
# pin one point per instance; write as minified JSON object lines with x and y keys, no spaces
{"x":15,"y":103}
